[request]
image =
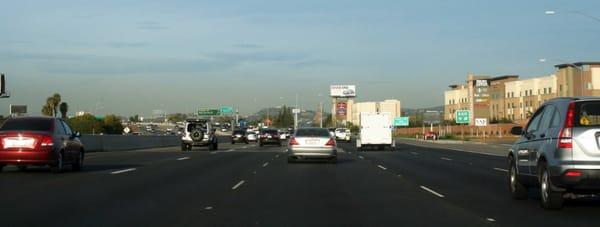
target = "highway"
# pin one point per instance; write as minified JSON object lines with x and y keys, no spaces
{"x":247,"y":185}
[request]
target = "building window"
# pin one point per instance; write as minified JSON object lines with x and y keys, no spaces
{"x":550,"y":89}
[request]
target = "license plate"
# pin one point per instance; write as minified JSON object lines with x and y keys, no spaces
{"x":312,"y":142}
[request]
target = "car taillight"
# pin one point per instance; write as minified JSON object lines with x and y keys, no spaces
{"x":572,"y":173}
{"x":47,"y":141}
{"x":293,"y":141}
{"x":565,"y":138}
{"x":331,"y":142}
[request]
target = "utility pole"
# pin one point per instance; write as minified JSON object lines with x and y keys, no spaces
{"x":296,"y":114}
{"x":321,"y":114}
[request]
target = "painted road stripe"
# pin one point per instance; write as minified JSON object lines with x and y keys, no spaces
{"x":123,"y":171}
{"x":447,"y":159}
{"x":361,"y":157}
{"x":266,"y":164}
{"x":490,"y":219}
{"x":184,"y":158}
{"x":414,"y":153}
{"x":501,"y":170}
{"x":381,"y":167}
{"x":244,"y":147}
{"x":474,"y":152}
{"x":238,"y":185}
{"x":432,"y":191}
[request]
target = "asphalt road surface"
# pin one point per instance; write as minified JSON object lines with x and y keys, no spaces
{"x":247,"y":185}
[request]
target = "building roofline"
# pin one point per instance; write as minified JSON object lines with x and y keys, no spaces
{"x":505,"y":77}
{"x":577,"y":64}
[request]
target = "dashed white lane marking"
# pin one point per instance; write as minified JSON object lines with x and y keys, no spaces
{"x":244,"y":147}
{"x":277,"y":156}
{"x":208,"y":208}
{"x":414,"y":153}
{"x":361,"y":157}
{"x":432,"y":191}
{"x":231,"y":150}
{"x":447,"y":159}
{"x":123,"y":171}
{"x":213,"y":152}
{"x":501,"y":170}
{"x":237,"y":185}
{"x":266,"y":164}
{"x":381,"y":167}
{"x":184,"y":158}
{"x":490,"y":219}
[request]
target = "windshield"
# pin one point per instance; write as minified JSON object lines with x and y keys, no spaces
{"x":313,"y":132}
{"x":27,"y":124}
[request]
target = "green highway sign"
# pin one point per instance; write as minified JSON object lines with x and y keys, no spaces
{"x":401,"y":121}
{"x":463,"y":117}
{"x":226,"y":109}
{"x":208,"y":112}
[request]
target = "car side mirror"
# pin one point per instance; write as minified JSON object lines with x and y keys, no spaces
{"x":517,"y":130}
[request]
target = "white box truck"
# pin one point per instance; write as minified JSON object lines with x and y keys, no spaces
{"x":375,"y":131}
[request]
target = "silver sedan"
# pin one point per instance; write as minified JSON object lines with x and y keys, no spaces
{"x":312,"y":143}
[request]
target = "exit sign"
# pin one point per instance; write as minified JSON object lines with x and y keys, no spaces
{"x":463,"y":117}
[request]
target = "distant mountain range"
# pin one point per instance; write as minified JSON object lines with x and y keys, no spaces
{"x":409,"y":111}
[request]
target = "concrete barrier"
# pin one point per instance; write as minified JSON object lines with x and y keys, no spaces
{"x":100,"y":143}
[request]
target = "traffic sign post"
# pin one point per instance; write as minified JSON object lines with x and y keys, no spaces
{"x":226,"y":109}
{"x":401,"y":121}
{"x":208,"y":112}
{"x":462,"y":117}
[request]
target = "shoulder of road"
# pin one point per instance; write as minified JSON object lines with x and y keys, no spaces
{"x":493,"y":149}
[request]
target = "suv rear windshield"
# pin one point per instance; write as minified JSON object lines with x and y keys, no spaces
{"x":588,"y":114}
{"x":312,"y":132}
{"x":27,"y":124}
{"x":239,"y":132}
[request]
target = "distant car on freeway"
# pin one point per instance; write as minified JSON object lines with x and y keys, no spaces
{"x":312,"y":143}
{"x":251,"y":136}
{"x":40,"y":141}
{"x":343,"y":134}
{"x":198,"y":133}
{"x":430,"y":135}
{"x":268,"y":136}
{"x":558,"y":152}
{"x":239,"y":136}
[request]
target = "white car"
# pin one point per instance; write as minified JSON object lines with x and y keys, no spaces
{"x":343,"y":134}
{"x":251,"y":136}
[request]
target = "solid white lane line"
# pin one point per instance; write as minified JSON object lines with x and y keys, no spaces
{"x":381,"y":167}
{"x":123,"y":171}
{"x":501,"y":170}
{"x":238,"y":185}
{"x":184,"y":158}
{"x":432,"y":191}
{"x":447,"y":159}
{"x":266,"y":164}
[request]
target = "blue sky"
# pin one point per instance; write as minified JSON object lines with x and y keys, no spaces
{"x":129,"y":57}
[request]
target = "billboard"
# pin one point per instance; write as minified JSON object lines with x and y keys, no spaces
{"x":342,"y":91}
{"x":432,"y":117}
{"x":18,"y":110}
{"x":480,"y":91}
{"x":341,"y":109}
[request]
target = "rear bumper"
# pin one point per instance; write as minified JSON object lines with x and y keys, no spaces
{"x":588,"y":181}
{"x":324,"y":152}
{"x":272,"y":140}
{"x":27,"y":157}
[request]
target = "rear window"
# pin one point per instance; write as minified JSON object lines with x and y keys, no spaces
{"x":588,"y":114}
{"x":316,"y":132}
{"x":270,"y":131}
{"x":27,"y":124}
{"x":239,"y":132}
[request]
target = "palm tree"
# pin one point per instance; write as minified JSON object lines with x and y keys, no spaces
{"x":55,"y":102}
{"x":64,"y":108}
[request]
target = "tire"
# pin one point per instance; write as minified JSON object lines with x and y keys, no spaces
{"x":78,"y":166}
{"x":59,"y":166}
{"x":197,"y":135}
{"x":260,"y":144}
{"x":291,"y":160}
{"x":232,"y":142}
{"x":279,"y":144}
{"x":333,"y":160}
{"x":216,"y":146}
{"x":22,"y":168}
{"x":549,"y":199}
{"x":183,"y":147}
{"x":247,"y":142}
{"x":2,"y":167}
{"x":517,"y":190}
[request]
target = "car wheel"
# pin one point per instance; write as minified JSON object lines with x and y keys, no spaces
{"x":550,"y":199}
{"x":232,"y":142}
{"x":2,"y":167}
{"x":77,"y":166}
{"x":58,"y":167}
{"x":333,"y":160}
{"x":291,"y":160}
{"x":279,"y":144}
{"x":22,"y":168}
{"x":517,"y":190}
{"x":183,"y":147}
{"x":260,"y":144}
{"x":247,"y":142}
{"x":216,"y":146}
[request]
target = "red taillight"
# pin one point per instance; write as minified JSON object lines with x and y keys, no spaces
{"x":565,"y":138}
{"x":293,"y":141}
{"x":572,"y":173}
{"x":47,"y":141}
{"x":331,"y":142}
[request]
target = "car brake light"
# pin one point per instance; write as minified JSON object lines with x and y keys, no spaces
{"x":331,"y":142}
{"x":47,"y":141}
{"x":293,"y":141}
{"x":565,"y":138}
{"x":573,"y":173}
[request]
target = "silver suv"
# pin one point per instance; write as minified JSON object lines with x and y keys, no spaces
{"x":198,"y":133}
{"x":558,"y":152}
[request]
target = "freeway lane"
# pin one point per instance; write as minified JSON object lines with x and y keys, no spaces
{"x":477,"y":183}
{"x":242,"y":185}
